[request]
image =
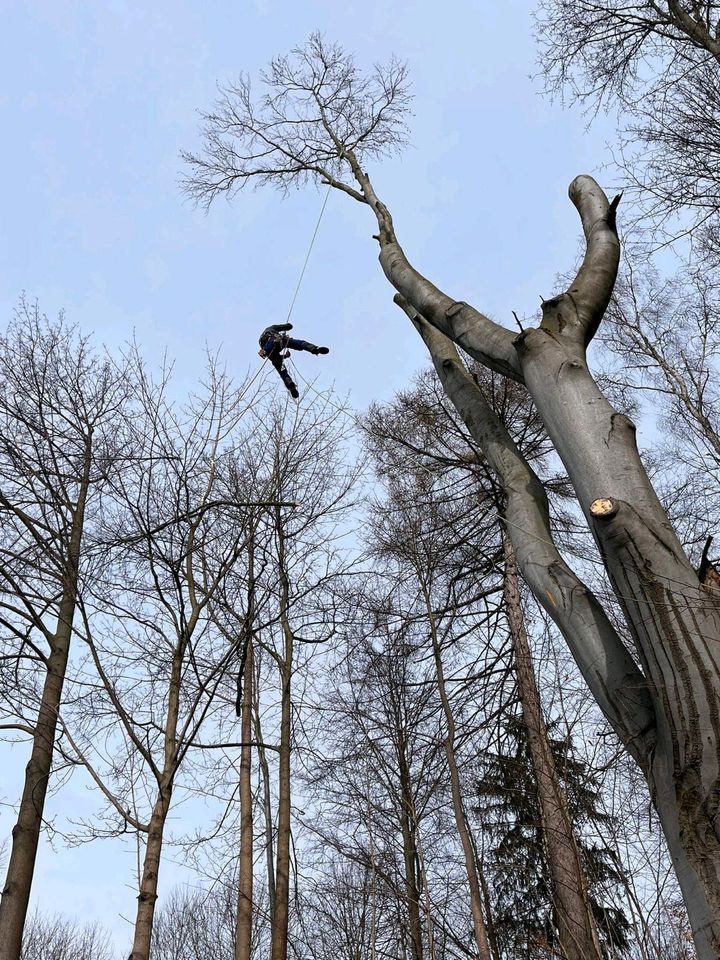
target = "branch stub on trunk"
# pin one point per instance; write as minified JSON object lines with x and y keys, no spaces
{"x":603,"y":508}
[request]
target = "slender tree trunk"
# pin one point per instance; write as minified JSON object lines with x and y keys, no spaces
{"x":244,"y":920}
{"x":26,"y":832}
{"x":373,"y":895}
{"x":243,"y":930}
{"x":267,"y":804}
{"x":282,"y":864}
{"x":410,"y":853}
{"x":491,"y":931}
{"x":147,"y":898}
{"x":471,"y":866}
{"x":576,"y":924}
{"x":280,"y":921}
{"x":425,"y":884}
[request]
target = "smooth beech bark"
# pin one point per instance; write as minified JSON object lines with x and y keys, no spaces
{"x":667,"y":712}
{"x":619,"y":686}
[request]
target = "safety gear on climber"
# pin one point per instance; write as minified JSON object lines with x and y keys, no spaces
{"x":275,"y":346}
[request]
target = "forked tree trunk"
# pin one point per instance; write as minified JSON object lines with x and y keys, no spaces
{"x":667,"y":713}
{"x":577,"y":931}
{"x":675,"y":621}
{"x":243,"y":930}
{"x":26,"y":832}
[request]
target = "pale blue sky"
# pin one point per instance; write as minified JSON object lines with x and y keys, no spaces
{"x":98,"y":99}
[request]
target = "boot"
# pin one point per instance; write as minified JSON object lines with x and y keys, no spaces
{"x":290,"y":384}
{"x":316,"y":350}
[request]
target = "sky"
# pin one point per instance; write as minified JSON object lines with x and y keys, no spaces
{"x":99,"y":98}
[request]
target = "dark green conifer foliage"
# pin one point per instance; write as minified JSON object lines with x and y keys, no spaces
{"x":523,"y":911}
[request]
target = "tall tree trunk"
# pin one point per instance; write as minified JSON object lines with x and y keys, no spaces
{"x":410,"y":853}
{"x":424,"y":882}
{"x":373,"y":892}
{"x":668,"y":714}
{"x":267,"y":802}
{"x":282,"y":860}
{"x":26,"y":832}
{"x":576,"y":924}
{"x":244,"y":920}
{"x":243,"y":929}
{"x":280,"y":921}
{"x":471,"y":865}
{"x":674,"y":619}
{"x":147,"y":898}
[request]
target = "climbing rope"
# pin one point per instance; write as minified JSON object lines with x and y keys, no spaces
{"x":324,"y":397}
{"x":307,"y":255}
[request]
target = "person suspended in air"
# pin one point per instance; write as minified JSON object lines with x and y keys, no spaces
{"x":276,"y":346}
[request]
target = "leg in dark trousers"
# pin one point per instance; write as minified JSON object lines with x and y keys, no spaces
{"x":294,"y":344}
{"x":276,"y":359}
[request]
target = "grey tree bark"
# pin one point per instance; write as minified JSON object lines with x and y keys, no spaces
{"x":628,"y":698}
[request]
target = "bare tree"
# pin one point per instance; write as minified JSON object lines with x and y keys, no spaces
{"x":277,"y":609}
{"x":174,"y":533}
{"x":430,"y":439}
{"x":381,"y":785}
{"x":59,"y":938}
{"x":319,"y":120}
{"x":338,"y":918}
{"x":664,"y":338}
{"x":60,"y":408}
{"x":196,"y":923}
{"x":304,"y":456}
{"x":658,"y":62}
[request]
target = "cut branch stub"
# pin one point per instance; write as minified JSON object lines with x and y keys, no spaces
{"x":604,"y":508}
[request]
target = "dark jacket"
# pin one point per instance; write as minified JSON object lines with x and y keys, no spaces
{"x":269,"y":333}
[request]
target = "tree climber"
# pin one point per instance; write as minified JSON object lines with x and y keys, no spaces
{"x":276,"y":347}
